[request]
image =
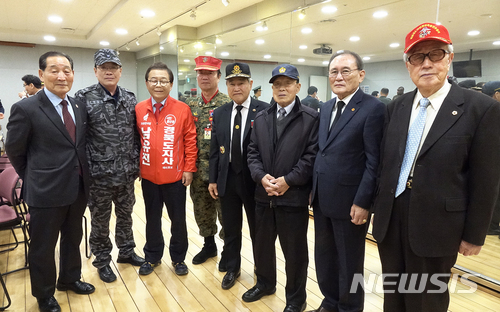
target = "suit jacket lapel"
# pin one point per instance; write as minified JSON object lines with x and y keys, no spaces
{"x":51,"y":113}
{"x":349,"y":111}
{"x":252,"y":111}
{"x":448,"y":114}
{"x":226,"y":123}
{"x":402,"y":116}
{"x":78,"y":119}
{"x":325,"y":117}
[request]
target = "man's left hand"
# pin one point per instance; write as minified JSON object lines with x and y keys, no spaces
{"x":281,"y":184}
{"x":187,"y":178}
{"x":468,"y":249}
{"x":359,"y":215}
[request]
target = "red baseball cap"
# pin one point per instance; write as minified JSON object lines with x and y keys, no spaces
{"x":207,"y":63}
{"x":426,"y":31}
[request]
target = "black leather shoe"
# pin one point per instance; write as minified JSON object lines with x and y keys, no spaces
{"x":222,"y":265}
{"x":106,"y":274}
{"x":295,"y":308}
{"x":229,"y":279}
{"x":48,"y":305}
{"x":255,"y":293}
{"x":134,"y":260}
{"x":78,"y":287}
{"x":180,"y":268}
{"x":147,"y":267}
{"x":204,"y":255}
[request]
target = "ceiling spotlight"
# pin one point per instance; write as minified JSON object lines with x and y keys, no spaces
{"x":147,"y":13}
{"x":127,"y":47}
{"x":121,"y":31}
{"x":329,"y":9}
{"x":55,"y":19}
{"x":366,"y":58}
{"x":262,"y":27}
{"x":225,"y":2}
{"x":380,"y":14}
{"x":208,"y":53}
{"x":193,"y":15}
{"x":303,"y":47}
{"x":259,"y":41}
{"x":224,"y":53}
{"x":181,"y":49}
{"x":104,"y":43}
{"x":162,"y":48}
{"x":267,"y":56}
{"x":198,"y":45}
{"x":496,"y":43}
{"x":325,"y":62}
{"x":302,"y":14}
{"x":49,"y":38}
{"x":137,"y":42}
{"x":218,"y":41}
{"x":158,"y":32}
{"x":301,"y":60}
{"x":306,"y":30}
{"x":354,"y":38}
{"x":117,"y":52}
{"x":473,"y":33}
{"x":394,"y":45}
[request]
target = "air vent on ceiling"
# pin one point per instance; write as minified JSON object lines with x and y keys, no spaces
{"x":323,"y":50}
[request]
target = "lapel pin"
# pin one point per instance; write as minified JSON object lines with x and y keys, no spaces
{"x":253,"y":110}
{"x":353,"y":109}
{"x":454,"y":113}
{"x":76,"y":105}
{"x":222,"y":149}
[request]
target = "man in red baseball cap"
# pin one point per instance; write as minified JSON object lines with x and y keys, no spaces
{"x":435,"y":199}
{"x":206,"y":209}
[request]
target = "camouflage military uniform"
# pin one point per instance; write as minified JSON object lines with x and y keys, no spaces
{"x":206,"y":209}
{"x":113,"y":152}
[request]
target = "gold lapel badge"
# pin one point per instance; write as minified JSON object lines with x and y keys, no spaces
{"x":454,"y":113}
{"x":237,"y":127}
{"x":253,"y":110}
{"x":222,"y":149}
{"x":353,"y":109}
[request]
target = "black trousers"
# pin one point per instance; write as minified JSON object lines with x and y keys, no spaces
{"x":339,"y":254}
{"x":235,"y":196}
{"x":45,"y":226}
{"x":397,"y":258}
{"x":290,"y":225}
{"x":174,"y":197}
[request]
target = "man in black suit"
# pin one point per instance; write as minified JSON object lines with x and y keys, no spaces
{"x":344,"y":180}
{"x":281,"y":155}
{"x":46,"y":146}
{"x":230,"y":177}
{"x":311,"y":99}
{"x":440,"y":171}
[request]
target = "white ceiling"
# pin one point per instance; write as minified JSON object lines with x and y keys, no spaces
{"x":87,"y":22}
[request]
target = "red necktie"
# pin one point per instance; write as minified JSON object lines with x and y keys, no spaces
{"x":157,"y":111}
{"x":68,"y":120}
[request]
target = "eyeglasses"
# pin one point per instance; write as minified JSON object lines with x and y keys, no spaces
{"x":434,"y":56}
{"x":161,"y":82}
{"x":286,"y":84}
{"x":344,"y":72}
{"x":109,"y":68}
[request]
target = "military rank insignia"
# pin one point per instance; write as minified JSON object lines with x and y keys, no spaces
{"x":222,"y":149}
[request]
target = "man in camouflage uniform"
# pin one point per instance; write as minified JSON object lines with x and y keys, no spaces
{"x":206,"y":209}
{"x":113,"y":153}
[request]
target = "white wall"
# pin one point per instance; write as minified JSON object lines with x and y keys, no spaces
{"x":15,"y":62}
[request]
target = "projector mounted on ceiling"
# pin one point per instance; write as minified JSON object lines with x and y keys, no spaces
{"x":323,"y":50}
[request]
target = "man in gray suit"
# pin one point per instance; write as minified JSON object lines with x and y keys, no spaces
{"x":46,"y":146}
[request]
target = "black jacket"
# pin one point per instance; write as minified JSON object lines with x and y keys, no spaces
{"x":292,"y":156}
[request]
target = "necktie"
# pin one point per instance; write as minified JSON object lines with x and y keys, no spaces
{"x":157,"y":111}
{"x":412,"y":144}
{"x":236,"y":161}
{"x":282,"y":113}
{"x":68,"y":120}
{"x":340,"y":106}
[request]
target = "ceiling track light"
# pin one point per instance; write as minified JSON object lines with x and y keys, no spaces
{"x":193,"y":14}
{"x":264,"y":26}
{"x":302,"y":14}
{"x":137,"y":42}
{"x":127,"y":47}
{"x":158,"y":31}
{"x":225,"y":2}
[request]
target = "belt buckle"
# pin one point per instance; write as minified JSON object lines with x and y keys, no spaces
{"x":409,"y":183}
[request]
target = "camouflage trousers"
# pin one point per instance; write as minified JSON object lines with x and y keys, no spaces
{"x":100,"y":199}
{"x":206,"y":209}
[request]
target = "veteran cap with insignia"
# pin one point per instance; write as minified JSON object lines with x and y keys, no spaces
{"x":207,"y":63}
{"x":426,"y":31}
{"x":257,"y":88}
{"x":285,"y":70}
{"x":106,"y":55}
{"x":237,"y":70}
{"x":491,"y":87}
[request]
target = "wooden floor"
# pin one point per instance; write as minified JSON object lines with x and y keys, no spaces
{"x":199,"y":290}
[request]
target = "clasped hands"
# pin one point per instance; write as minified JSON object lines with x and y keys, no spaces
{"x":274,"y":186}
